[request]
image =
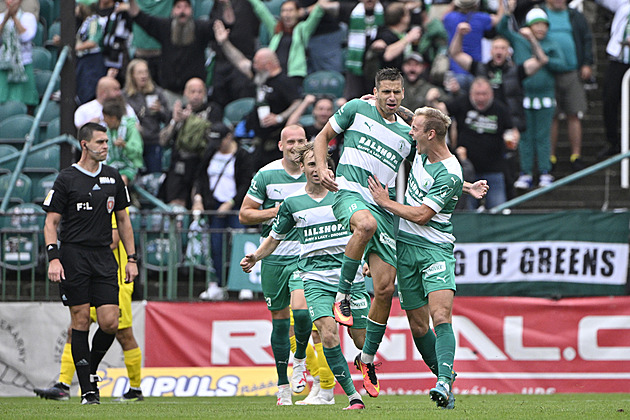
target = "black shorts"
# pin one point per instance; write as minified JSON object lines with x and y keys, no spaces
{"x":91,"y":276}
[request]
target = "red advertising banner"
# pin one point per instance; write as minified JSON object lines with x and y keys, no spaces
{"x":504,"y":344}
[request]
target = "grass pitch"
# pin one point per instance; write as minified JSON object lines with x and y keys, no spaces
{"x":385,"y":407}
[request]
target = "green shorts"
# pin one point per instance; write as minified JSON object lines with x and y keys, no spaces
{"x":422,"y":271}
{"x":383,"y":243}
{"x":320,"y":300}
{"x":278,"y":281}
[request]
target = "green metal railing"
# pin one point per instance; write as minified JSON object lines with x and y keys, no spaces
{"x":559,"y":183}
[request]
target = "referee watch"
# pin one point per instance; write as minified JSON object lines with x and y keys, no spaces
{"x":132,"y":258}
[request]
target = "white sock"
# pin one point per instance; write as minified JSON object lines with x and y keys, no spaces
{"x":367,"y":358}
{"x":327,"y":394}
{"x":355,"y":396}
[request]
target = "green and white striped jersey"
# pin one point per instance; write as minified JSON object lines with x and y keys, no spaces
{"x":323,"y":239}
{"x":372,"y":146}
{"x":269,"y":187}
{"x":439,"y":186}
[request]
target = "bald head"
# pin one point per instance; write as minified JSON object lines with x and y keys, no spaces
{"x":266,"y":60}
{"x":107,"y":88}
{"x":195,"y":92}
{"x":291,"y":137}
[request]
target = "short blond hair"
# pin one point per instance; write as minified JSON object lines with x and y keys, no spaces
{"x":434,"y":120}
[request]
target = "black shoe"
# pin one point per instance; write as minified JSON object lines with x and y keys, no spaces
{"x":58,"y":391}
{"x":577,"y":165}
{"x":90,"y":397}
{"x":131,"y":396}
{"x":94,"y":380}
{"x":609,"y":151}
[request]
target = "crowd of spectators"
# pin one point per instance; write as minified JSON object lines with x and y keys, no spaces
{"x":505,"y":73}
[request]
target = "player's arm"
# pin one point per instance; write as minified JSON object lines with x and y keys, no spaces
{"x":252,"y":214}
{"x":406,"y":114}
{"x":55,"y":269}
{"x":321,"y":151}
{"x":126,"y":236}
{"x":477,"y":190}
{"x":419,"y":215}
{"x":265,"y":249}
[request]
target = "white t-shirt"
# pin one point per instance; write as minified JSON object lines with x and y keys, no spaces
{"x":225,"y":188}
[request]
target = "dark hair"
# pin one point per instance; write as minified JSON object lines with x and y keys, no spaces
{"x":114,"y":107}
{"x":388,"y":73}
{"x":86,"y":132}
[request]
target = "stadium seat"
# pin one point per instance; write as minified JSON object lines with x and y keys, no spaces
{"x":40,"y":35}
{"x":306,"y":120}
{"x":325,"y":83}
{"x":47,"y":11}
{"x":274,"y":6}
{"x":42,"y":59}
{"x":52,"y":129}
{"x":54,"y":29}
{"x":22,"y":190}
{"x":22,"y":235}
{"x":6,"y":150}
{"x":203,"y":8}
{"x":43,"y":161}
{"x":236,"y":110}
{"x":10,"y":108}
{"x":15,"y":128}
{"x":42,"y":77}
{"x":157,"y":244}
{"x":50,"y":113}
{"x":41,"y":187}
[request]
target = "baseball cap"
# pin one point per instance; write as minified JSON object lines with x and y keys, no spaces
{"x":414,"y":56}
{"x":536,"y":15}
{"x":218,"y":131}
{"x":466,"y":4}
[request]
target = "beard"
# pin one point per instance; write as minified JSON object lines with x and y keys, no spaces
{"x":182,"y":34}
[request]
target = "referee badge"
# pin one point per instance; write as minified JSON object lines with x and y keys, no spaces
{"x":110,"y":204}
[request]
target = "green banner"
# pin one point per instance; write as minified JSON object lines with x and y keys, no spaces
{"x":243,"y":244}
{"x":572,"y":253}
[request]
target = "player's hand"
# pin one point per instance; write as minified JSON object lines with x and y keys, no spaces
{"x":248,"y":262}
{"x":327,"y":179}
{"x":366,"y":270}
{"x":131,"y":272}
{"x":479,"y":189}
{"x":55,"y":271}
{"x":379,"y":192}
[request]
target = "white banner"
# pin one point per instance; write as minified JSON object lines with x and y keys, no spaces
{"x":32,"y":337}
{"x":549,"y":261}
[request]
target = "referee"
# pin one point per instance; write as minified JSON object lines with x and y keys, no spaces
{"x":80,"y":204}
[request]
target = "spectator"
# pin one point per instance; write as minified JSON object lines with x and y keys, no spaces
{"x":188,"y":133}
{"x":418,"y":91}
{"x":325,"y":48}
{"x":277,"y":95}
{"x":539,"y":91}
{"x":145,"y":46}
{"x":363,"y":22}
{"x":224,"y":177}
{"x":433,"y":45}
{"x":569,"y":29}
{"x":482,"y":124}
{"x":116,"y":24}
{"x":151,"y":107}
{"x":17,"y":30}
{"x":29,"y":6}
{"x":323,"y":109}
{"x":289,"y":36}
{"x":90,"y":65}
{"x":125,"y":148}
{"x":480,"y":22}
{"x":396,"y":39}
{"x":106,"y":88}
{"x":230,"y":83}
{"x":618,"y":52}
{"x":184,"y":41}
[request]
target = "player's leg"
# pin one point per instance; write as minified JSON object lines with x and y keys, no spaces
{"x":127,"y":340}
{"x":441,"y":306}
{"x":302,"y":329}
{"x":80,"y":323}
{"x":329,"y":332}
{"x":275,"y":286}
{"x":360,"y":305}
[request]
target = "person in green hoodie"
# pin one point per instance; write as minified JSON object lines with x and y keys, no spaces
{"x":539,"y":99}
{"x":125,"y":149}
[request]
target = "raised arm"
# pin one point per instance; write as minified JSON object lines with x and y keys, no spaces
{"x":236,"y":57}
{"x":456,"y":51}
{"x":321,"y":151}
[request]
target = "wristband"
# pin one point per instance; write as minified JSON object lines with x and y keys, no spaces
{"x":53,"y":252}
{"x":133,"y":256}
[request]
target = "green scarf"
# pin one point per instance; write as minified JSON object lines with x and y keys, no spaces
{"x":359,"y":27}
{"x":11,"y":55}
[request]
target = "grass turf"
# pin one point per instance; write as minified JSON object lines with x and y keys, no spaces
{"x":387,"y":407}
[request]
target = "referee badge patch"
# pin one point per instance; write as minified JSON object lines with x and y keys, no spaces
{"x":110,"y":204}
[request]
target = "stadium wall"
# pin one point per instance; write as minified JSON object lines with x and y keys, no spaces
{"x":504,"y":345}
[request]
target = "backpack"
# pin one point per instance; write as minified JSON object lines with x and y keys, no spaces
{"x":192,"y":136}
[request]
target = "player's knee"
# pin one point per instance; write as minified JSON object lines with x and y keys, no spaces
{"x":109,"y":326}
{"x":384,"y":291}
{"x":366,"y":228}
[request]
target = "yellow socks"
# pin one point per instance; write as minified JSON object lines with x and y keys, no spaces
{"x":326,"y":377}
{"x":66,"y":372}
{"x":133,"y":361}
